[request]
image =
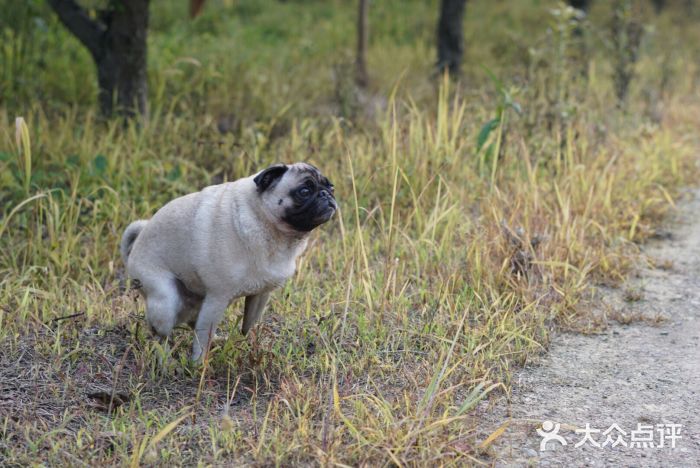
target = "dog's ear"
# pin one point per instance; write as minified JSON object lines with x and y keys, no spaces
{"x":267,"y":177}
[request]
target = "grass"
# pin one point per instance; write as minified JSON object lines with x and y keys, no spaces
{"x":476,"y":218}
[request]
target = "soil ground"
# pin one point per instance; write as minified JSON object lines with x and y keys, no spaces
{"x":646,"y":372}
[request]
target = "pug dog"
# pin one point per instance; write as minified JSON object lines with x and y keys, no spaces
{"x":202,"y":251}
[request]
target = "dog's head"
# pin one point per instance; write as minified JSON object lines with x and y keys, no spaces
{"x":296,"y":195}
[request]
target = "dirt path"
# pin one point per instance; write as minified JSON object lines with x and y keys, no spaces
{"x":628,"y":375}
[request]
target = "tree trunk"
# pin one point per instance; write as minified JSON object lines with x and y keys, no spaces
{"x":659,"y":5}
{"x":117,"y":43}
{"x":582,"y":5}
{"x":196,"y":7}
{"x":361,"y":75}
{"x":450,"y":36}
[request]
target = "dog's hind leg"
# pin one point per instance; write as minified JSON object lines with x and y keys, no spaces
{"x":161,"y":313}
{"x":162,"y":303}
{"x":162,"y":306}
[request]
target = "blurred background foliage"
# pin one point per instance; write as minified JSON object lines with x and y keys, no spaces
{"x":250,"y":59}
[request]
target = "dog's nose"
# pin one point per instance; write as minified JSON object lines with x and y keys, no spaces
{"x":324,"y":194}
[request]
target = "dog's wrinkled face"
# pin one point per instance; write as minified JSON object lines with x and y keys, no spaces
{"x":297,"y":195}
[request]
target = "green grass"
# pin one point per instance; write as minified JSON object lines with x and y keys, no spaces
{"x":456,"y":253}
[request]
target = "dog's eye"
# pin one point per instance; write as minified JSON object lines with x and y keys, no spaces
{"x":304,"y":192}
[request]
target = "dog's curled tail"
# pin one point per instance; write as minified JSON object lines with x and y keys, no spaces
{"x":131,"y":232}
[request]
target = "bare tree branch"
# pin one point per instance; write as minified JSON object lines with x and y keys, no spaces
{"x":76,"y":19}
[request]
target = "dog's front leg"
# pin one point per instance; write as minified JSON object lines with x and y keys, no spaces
{"x":210,"y":315}
{"x":254,"y":306}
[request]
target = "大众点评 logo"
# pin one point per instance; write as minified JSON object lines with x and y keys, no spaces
{"x":643,"y":437}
